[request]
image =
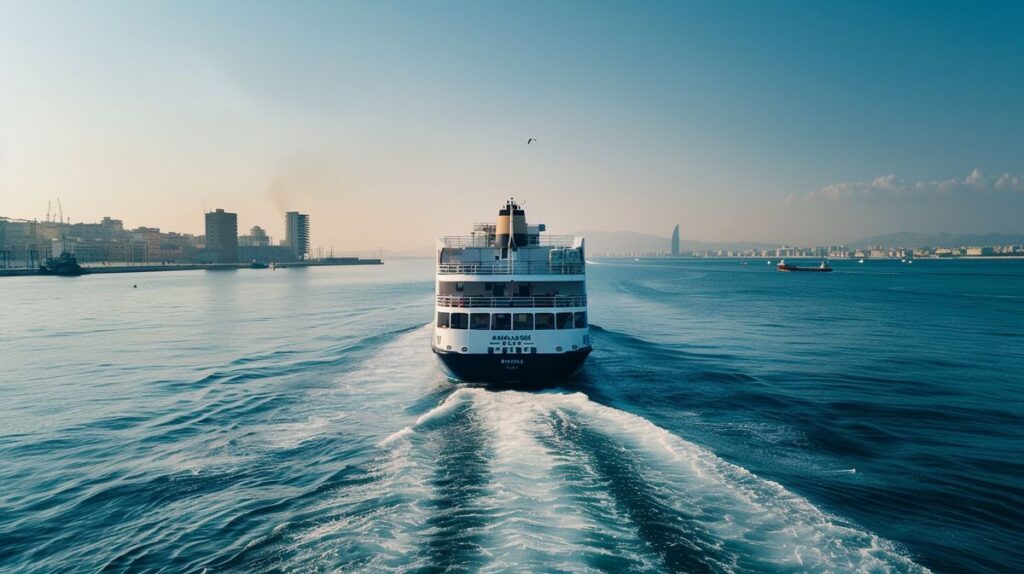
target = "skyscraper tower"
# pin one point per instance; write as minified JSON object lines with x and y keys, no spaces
{"x":222,"y":236}
{"x":675,"y":241}
{"x":297,"y":233}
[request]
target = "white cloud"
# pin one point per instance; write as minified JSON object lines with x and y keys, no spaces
{"x":976,"y":182}
{"x":1010,"y":182}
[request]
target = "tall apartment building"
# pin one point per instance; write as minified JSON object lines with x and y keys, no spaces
{"x":297,"y":233}
{"x":222,"y":236}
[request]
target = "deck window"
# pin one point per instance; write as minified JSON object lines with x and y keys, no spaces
{"x":501,"y":321}
{"x":480,"y":321}
{"x":564,"y":321}
{"x":460,"y":320}
{"x":442,"y":319}
{"x":545,"y":321}
{"x":581,"y":319}
{"x":522,"y":321}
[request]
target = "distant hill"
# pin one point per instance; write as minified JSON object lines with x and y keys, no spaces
{"x":908,"y":239}
{"x":604,"y":242}
{"x":630,"y":241}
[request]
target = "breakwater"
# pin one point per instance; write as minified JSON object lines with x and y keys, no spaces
{"x":90,"y":269}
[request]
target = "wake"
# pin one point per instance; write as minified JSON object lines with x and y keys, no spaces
{"x":558,"y":481}
{"x":496,"y":481}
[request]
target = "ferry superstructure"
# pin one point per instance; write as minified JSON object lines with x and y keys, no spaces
{"x":511,"y":302}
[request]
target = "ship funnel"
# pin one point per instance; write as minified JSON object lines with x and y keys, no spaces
{"x":511,"y":228}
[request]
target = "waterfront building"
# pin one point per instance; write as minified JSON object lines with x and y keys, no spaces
{"x":26,"y":243}
{"x":153,"y":239}
{"x":257,"y":238}
{"x":297,"y":234}
{"x":108,"y":251}
{"x":107,"y":229}
{"x":222,"y":236}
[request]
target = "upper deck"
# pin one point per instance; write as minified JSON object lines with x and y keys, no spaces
{"x":473,"y":255}
{"x":484,"y":237}
{"x":510,"y":248}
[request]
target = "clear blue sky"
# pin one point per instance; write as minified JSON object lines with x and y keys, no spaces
{"x":393,"y":122}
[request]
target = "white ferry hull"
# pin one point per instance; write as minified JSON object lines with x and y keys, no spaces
{"x":525,"y":369}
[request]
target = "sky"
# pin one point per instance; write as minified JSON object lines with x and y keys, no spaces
{"x":391,"y":123}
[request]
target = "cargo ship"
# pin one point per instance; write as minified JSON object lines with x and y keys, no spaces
{"x":823,"y":268}
{"x":511,"y":303}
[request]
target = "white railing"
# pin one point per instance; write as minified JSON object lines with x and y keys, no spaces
{"x":541,"y":301}
{"x":506,"y":268}
{"x":482,"y":240}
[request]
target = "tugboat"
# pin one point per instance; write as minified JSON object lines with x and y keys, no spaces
{"x":823,"y":268}
{"x":65,"y":265}
{"x":511,"y":303}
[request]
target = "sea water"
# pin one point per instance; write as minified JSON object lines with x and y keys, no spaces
{"x":730,"y":419}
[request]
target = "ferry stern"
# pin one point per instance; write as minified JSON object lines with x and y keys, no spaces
{"x":511,"y":303}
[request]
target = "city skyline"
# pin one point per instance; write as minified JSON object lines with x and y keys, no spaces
{"x":22,"y":242}
{"x":798,"y":123}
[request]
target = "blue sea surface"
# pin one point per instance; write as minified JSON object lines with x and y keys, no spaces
{"x":730,"y":419}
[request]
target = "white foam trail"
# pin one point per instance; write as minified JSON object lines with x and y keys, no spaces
{"x":548,"y":505}
{"x":537,"y":522}
{"x":758,"y":524}
{"x":439,"y":412}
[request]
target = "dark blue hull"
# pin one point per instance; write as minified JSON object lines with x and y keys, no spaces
{"x":526,"y":369}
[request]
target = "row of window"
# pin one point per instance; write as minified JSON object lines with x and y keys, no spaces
{"x":512,"y":321}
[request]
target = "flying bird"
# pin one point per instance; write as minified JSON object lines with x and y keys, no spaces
{"x":530,"y":141}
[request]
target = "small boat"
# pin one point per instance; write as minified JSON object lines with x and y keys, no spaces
{"x":823,"y":268}
{"x":257,"y":265}
{"x":65,"y":265}
{"x":861,"y":261}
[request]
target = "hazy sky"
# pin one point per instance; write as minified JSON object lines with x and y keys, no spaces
{"x":393,"y":122}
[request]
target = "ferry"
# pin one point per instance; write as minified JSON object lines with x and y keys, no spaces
{"x":511,"y":303}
